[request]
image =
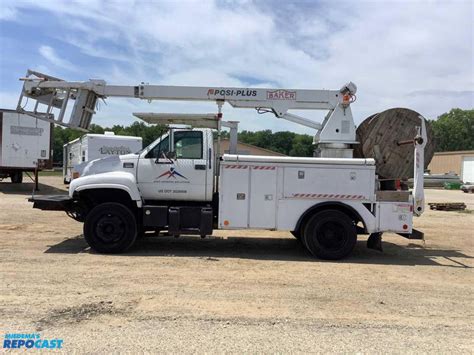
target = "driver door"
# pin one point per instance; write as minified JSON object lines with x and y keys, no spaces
{"x":175,"y":169}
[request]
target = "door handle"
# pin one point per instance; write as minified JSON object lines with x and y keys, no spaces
{"x":200,"y":167}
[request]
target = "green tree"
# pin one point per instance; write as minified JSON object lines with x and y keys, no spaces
{"x":282,"y":142}
{"x":302,"y":146}
{"x":60,"y":137}
{"x":454,"y":130}
{"x":288,"y":143}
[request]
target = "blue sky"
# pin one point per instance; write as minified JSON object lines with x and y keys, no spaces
{"x":416,"y":54}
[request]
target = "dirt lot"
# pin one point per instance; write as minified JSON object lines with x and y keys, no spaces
{"x":236,"y":291}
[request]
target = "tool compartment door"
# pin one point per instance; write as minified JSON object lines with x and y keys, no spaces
{"x":234,"y":196}
{"x":395,"y":217}
{"x":263,"y":188}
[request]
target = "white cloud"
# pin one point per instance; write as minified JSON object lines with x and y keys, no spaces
{"x":8,"y":12}
{"x":51,"y":56}
{"x":390,"y":49}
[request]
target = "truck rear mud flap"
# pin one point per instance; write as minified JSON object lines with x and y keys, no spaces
{"x":375,"y":239}
{"x":415,"y":234}
{"x":52,"y":202}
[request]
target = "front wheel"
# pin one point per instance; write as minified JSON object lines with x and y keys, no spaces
{"x":110,"y":228}
{"x":330,"y":234}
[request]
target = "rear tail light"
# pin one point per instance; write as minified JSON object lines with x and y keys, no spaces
{"x":398,"y":185}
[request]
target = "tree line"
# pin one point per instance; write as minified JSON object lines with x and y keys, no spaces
{"x":453,"y":131}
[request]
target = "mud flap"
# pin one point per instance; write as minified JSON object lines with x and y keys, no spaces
{"x":415,"y":234}
{"x":375,"y":241}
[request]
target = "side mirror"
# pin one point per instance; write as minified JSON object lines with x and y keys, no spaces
{"x":166,"y":155}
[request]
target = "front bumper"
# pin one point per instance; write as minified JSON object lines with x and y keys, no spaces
{"x":52,"y":202}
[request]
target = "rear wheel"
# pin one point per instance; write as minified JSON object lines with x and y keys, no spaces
{"x":330,"y":234}
{"x":17,"y":177}
{"x":110,"y":228}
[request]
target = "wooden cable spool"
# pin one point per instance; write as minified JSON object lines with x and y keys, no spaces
{"x":380,"y":137}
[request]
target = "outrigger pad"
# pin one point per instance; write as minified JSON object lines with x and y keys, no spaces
{"x":375,"y":241}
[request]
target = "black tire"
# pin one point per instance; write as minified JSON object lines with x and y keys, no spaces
{"x":330,"y":235}
{"x":17,"y":177}
{"x":110,"y":228}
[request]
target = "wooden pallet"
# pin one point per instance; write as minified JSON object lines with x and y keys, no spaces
{"x":448,"y":206}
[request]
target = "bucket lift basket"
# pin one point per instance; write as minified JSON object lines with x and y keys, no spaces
{"x":49,"y":93}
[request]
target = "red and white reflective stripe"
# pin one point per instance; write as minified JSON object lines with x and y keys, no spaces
{"x":263,"y":167}
{"x":260,"y":167}
{"x":235,"y":166}
{"x":346,"y":197}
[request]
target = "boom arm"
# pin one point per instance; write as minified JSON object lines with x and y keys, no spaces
{"x":338,"y":126}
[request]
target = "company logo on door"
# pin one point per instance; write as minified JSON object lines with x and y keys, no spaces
{"x":171,"y":173}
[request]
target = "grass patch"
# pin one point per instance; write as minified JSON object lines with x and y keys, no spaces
{"x":51,"y":173}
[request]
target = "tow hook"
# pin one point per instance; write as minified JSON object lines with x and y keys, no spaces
{"x":375,"y":241}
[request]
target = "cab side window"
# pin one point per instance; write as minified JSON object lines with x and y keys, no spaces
{"x":188,"y":144}
{"x":158,"y":150}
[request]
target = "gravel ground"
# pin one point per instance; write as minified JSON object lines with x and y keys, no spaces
{"x":252,"y":291}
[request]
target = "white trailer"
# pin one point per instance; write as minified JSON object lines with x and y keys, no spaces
{"x":25,"y":144}
{"x":181,"y":185}
{"x":95,"y":146}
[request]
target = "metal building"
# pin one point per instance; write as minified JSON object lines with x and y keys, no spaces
{"x":460,"y":162}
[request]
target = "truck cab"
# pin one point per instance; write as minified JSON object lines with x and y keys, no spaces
{"x":177,"y":166}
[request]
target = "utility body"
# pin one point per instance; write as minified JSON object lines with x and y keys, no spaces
{"x":181,"y":185}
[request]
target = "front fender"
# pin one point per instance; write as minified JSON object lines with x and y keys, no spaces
{"x":111,"y":180}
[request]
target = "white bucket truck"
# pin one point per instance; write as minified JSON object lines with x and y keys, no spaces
{"x":180,"y":184}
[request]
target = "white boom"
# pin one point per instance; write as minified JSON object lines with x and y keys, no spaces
{"x":334,"y":134}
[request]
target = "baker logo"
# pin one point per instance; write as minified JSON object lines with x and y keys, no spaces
{"x":281,"y":95}
{"x":172,"y":173}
